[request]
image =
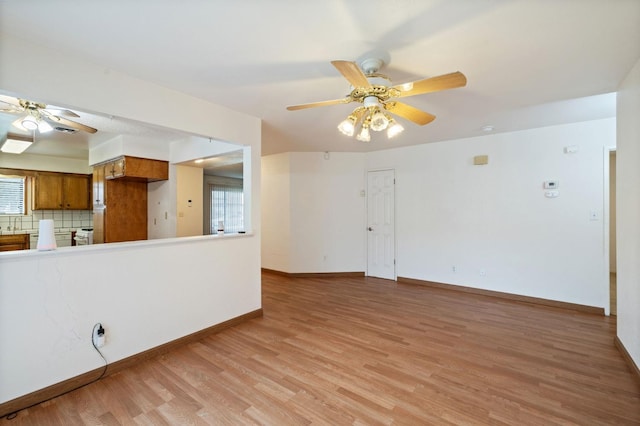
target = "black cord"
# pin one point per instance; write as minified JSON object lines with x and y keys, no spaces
{"x":106,"y":364}
{"x":13,"y":415}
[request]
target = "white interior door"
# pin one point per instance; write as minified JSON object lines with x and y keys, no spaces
{"x":381,"y":239}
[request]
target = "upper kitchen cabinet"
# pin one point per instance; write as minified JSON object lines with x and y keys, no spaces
{"x":135,"y":168}
{"x":61,"y":191}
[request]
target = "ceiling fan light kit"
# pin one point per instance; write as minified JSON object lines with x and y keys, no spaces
{"x":377,"y":96}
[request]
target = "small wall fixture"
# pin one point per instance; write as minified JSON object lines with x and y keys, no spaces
{"x":480,"y":160}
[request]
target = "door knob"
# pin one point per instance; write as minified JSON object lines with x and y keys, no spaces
{"x":370,"y":228}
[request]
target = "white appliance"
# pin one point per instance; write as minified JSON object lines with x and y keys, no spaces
{"x":84,"y":236}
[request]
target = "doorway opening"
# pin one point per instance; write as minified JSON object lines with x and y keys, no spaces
{"x":613,"y":301}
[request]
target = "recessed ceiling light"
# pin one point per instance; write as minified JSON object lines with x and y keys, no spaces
{"x":487,"y":128}
{"x":14,"y":146}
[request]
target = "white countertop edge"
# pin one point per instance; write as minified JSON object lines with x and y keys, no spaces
{"x":119,"y":246}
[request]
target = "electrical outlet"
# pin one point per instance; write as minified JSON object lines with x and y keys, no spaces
{"x":483,"y":273}
{"x":98,"y":335}
{"x":454,"y":268}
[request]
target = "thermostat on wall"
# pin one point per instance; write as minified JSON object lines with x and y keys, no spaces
{"x":551,"y":184}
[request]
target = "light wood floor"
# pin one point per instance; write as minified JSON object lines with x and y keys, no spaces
{"x":368,"y":351}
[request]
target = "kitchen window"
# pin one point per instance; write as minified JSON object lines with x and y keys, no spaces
{"x":12,"y":195}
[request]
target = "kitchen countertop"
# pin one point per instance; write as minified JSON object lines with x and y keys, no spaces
{"x":35,"y":231}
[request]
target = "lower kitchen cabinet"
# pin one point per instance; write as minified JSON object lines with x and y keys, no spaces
{"x":14,"y":242}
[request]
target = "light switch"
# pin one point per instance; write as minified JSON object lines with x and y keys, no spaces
{"x":551,"y":194}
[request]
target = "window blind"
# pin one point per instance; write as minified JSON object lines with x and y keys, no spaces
{"x":227,"y":205}
{"x":12,"y":195}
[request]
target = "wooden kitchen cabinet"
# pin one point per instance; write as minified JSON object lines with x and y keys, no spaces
{"x":98,"y":185}
{"x":125,"y":213}
{"x":123,"y":217}
{"x":119,"y":207}
{"x":120,"y":197}
{"x":14,"y":242}
{"x":98,"y":195}
{"x":61,"y":191}
{"x":134,"y":168}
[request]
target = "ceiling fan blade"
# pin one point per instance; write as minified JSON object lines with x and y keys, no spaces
{"x":11,"y":110}
{"x":433,"y":84}
{"x":318,"y":104}
{"x":410,"y":113}
{"x":69,"y":123}
{"x":11,"y":101}
{"x":65,"y":112}
{"x":352,"y":72}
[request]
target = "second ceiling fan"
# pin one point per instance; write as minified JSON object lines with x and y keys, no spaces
{"x":378,"y":98}
{"x":38,"y":116}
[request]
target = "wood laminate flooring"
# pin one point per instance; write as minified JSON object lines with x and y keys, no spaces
{"x":343,"y":351}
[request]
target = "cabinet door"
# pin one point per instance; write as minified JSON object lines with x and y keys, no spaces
{"x":119,"y":167}
{"x":98,"y":186}
{"x":125,"y":217}
{"x":115,"y":169}
{"x":48,"y":190}
{"x":98,"y":223}
{"x":76,"y":192}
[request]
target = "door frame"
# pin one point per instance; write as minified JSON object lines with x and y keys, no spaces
{"x":607,"y":150}
{"x":366,"y":221}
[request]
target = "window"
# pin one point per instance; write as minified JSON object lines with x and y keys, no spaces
{"x":12,"y":195}
{"x":227,"y":207}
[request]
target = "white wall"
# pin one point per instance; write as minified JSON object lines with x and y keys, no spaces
{"x":189,"y":201}
{"x":152,"y":292}
{"x":276,"y":212}
{"x":496,"y":218}
{"x":44,"y":163}
{"x":145,"y":294}
{"x":451,"y":213}
{"x":313,"y":214}
{"x":327,"y":221}
{"x":628,"y":211}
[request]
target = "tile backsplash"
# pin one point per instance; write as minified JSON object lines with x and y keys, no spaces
{"x":64,"y":220}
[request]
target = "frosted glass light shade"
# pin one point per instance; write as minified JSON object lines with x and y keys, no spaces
{"x":347,"y":126}
{"x":378,"y":121}
{"x":394,"y":129}
{"x":46,"y":235}
{"x":364,"y":135}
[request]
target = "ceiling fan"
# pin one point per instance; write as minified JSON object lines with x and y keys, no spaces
{"x":377,"y":96}
{"x":36,"y":116}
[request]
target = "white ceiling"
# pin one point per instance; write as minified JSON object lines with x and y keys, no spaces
{"x":529,"y":63}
